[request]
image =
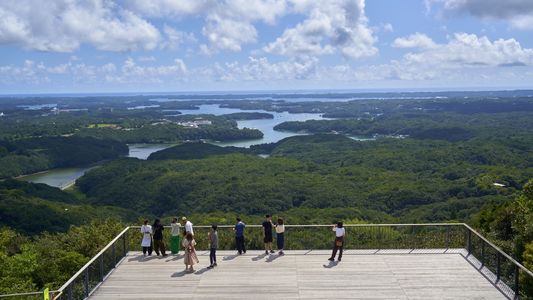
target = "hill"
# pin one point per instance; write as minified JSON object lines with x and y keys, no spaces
{"x":32,"y":155}
{"x":193,"y":151}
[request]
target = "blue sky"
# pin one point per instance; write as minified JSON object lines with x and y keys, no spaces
{"x":69,"y":46}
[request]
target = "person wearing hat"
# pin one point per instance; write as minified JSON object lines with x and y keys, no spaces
{"x":188,"y":226}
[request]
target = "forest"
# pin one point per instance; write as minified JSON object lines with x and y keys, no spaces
{"x":25,"y":156}
{"x":423,"y":160}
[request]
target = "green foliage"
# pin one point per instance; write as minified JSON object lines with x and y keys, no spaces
{"x":193,"y":151}
{"x":50,"y":259}
{"x":165,"y":133}
{"x":49,"y":209}
{"x":37,"y":154}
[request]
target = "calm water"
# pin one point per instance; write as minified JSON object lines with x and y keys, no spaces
{"x":64,"y":177}
{"x":265,"y":125}
{"x":60,"y":178}
{"x":142,"y":151}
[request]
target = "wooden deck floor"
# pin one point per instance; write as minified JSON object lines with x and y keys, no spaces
{"x":301,"y":275}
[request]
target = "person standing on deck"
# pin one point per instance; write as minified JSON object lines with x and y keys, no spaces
{"x":340,"y":233}
{"x":175,"y":236}
{"x":267,"y":230}
{"x":190,"y":258}
{"x":146,"y":242}
{"x":188,"y":226}
{"x":213,"y":245}
{"x":159,"y":244}
{"x":239,"y":236}
{"x":280,"y":236}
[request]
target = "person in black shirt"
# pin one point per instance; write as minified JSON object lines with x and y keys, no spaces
{"x":267,"y":229}
{"x":159,"y":244}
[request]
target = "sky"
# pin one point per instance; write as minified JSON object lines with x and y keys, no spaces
{"x":99,"y":46}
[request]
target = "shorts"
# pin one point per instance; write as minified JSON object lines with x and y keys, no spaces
{"x":268,"y":239}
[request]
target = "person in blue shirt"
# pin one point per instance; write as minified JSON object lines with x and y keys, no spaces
{"x":239,"y":236}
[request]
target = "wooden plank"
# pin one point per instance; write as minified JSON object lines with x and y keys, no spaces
{"x":301,"y":275}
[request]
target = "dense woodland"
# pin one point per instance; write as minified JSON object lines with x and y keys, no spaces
{"x":24,"y":156}
{"x":428,"y":160}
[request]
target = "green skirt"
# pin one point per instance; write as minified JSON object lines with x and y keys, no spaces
{"x":175,"y":244}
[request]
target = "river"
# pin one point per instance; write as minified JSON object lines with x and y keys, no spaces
{"x":64,"y":178}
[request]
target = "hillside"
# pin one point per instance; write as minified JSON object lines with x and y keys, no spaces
{"x":193,"y":151}
{"x":32,"y":155}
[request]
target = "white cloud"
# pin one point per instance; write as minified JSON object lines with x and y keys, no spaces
{"x":63,"y":25}
{"x":260,"y":69}
{"x":130,"y":72}
{"x":416,"y":40}
{"x":464,"y":55}
{"x":229,"y":24}
{"x":330,"y":26}
{"x":472,"y":50}
{"x":175,"y":38}
{"x":229,"y":34}
{"x":518,"y":12}
{"x":387,"y":27}
{"x":159,"y":8}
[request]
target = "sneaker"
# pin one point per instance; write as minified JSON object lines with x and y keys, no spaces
{"x":215,"y":265}
{"x":281,"y":253}
{"x":210,"y":267}
{"x":266,"y":252}
{"x":272,"y":251}
{"x":331,"y":259}
{"x":339,"y":259}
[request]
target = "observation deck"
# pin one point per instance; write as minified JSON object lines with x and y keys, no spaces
{"x":380,"y":261}
{"x":362,"y":274}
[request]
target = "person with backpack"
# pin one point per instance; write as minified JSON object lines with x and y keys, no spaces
{"x":239,"y":236}
{"x":267,"y":230}
{"x":338,"y":245}
{"x":159,"y":243}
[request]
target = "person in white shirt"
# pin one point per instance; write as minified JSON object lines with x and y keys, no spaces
{"x":280,"y":236}
{"x":338,"y":245}
{"x":188,"y":226}
{"x":175,"y":236}
{"x":146,"y":242}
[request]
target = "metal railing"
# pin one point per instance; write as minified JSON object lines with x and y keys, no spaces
{"x":96,"y":270}
{"x":504,"y":272}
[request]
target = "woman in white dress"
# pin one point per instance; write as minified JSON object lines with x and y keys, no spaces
{"x":190,"y":258}
{"x":146,"y":242}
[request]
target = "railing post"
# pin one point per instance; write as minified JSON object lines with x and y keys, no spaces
{"x":102,"y":267}
{"x":482,"y":253}
{"x":498,"y":266}
{"x":114,"y":255}
{"x":469,"y":241}
{"x":69,"y":292}
{"x":124,"y":244}
{"x":86,"y":282}
{"x":516,"y":282}
{"x":447,"y":237}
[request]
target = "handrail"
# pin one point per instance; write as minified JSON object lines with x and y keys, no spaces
{"x":500,"y":251}
{"x":64,"y":286}
{"x":26,"y":294}
{"x":328,"y":225}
